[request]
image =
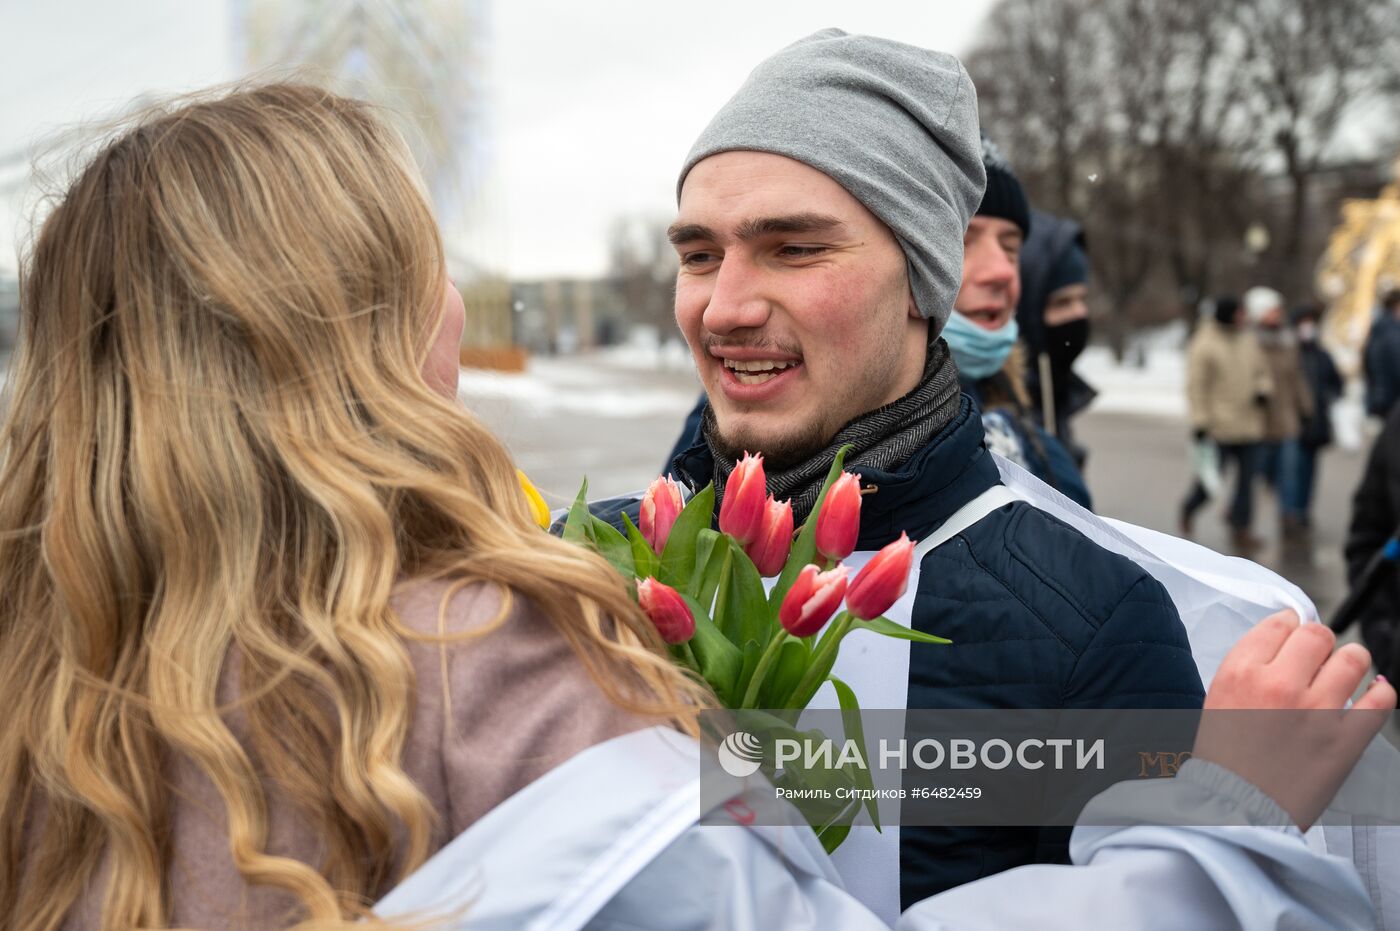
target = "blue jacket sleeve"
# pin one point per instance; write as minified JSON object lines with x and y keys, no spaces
{"x":1140,"y":657}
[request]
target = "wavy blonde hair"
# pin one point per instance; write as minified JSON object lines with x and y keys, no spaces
{"x":219,"y":443}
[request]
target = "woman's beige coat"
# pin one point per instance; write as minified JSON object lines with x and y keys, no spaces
{"x":1228,"y":383}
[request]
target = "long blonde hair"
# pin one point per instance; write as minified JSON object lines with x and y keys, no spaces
{"x":219,"y":443}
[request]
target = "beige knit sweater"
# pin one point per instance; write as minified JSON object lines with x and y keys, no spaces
{"x":521,"y":704}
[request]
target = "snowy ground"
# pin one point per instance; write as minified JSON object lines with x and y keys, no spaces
{"x":1157,"y":388}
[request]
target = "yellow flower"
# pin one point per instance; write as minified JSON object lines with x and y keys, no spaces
{"x":538,"y":509}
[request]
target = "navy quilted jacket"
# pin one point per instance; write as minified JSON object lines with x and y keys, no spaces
{"x":1039,"y":616}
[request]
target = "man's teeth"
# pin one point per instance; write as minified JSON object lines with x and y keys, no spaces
{"x":756,"y":372}
{"x":758,"y":365}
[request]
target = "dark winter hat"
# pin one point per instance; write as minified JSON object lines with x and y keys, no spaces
{"x":1306,"y":311}
{"x":1004,"y":197}
{"x":1072,"y":267}
{"x":1227,"y":307}
{"x":894,"y":125}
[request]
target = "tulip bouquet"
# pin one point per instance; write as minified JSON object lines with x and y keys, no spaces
{"x":755,"y":643}
{"x":752,"y":608}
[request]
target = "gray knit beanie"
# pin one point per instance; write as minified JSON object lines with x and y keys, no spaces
{"x":894,"y":125}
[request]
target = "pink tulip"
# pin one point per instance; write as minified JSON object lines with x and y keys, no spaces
{"x":882,"y":581}
{"x":660,"y":507}
{"x":811,"y":601}
{"x":769,"y":551}
{"x":667,"y":610}
{"x":741,"y":512}
{"x":839,"y":521}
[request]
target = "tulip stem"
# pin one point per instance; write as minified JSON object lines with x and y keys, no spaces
{"x":774,"y":647}
{"x":690,"y":656}
{"x":719,"y":615}
{"x":819,"y":667}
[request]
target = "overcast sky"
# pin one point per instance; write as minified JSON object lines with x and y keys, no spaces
{"x":595,"y":104}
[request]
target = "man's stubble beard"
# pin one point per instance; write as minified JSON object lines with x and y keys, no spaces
{"x":780,"y":453}
{"x":800,"y":443}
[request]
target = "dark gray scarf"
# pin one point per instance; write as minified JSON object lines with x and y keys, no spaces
{"x":883,"y":439}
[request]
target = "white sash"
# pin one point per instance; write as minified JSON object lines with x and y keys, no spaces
{"x":877,"y":670}
{"x":1218,"y":598}
{"x":640,"y":791}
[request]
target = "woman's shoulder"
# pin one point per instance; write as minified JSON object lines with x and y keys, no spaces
{"x":502,"y":695}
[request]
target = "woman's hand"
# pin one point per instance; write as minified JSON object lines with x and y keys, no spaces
{"x":1299,"y":759}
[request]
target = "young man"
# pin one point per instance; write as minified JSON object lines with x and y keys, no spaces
{"x":819,"y":231}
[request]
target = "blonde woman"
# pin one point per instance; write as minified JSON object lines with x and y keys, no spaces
{"x":240,"y":513}
{"x":278,"y":625}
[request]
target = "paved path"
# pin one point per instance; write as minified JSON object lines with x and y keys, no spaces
{"x":1137,"y":472}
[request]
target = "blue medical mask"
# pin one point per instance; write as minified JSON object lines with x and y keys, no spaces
{"x":979,"y":353}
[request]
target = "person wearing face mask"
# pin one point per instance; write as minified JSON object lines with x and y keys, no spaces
{"x":1325,"y":383}
{"x":1053,"y":313}
{"x":983,"y":333}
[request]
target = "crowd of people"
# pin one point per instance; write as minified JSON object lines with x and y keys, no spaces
{"x":1261,"y":389}
{"x":281,"y":624}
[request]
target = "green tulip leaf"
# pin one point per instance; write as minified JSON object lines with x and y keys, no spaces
{"x":678,"y":556}
{"x":888,"y":628}
{"x":850,"y":719}
{"x":748,"y":613}
{"x":832,"y":836}
{"x":792,"y":662}
{"x":707,"y":573}
{"x":645,"y":562}
{"x":580,"y":521}
{"x":752,"y":653}
{"x":720,"y":660}
{"x":614,"y":547}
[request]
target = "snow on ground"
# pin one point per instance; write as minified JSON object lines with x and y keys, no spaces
{"x":580,"y":385}
{"x":1153,"y":383}
{"x":1157,"y":387}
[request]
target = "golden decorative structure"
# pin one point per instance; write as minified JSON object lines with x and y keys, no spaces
{"x":1362,"y":259}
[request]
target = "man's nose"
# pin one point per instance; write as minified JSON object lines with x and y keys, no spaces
{"x":994,"y":266}
{"x":740,"y":298}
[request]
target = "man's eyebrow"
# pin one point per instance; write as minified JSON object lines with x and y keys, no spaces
{"x":759,"y":226}
{"x":792,"y":223}
{"x":679,"y":233}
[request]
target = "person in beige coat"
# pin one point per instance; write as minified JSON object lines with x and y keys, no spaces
{"x":1290,"y":403}
{"x":1228,"y":390}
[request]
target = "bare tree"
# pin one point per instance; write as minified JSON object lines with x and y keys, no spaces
{"x":1308,"y":64}
{"x":642,"y":268}
{"x":1165,"y":127}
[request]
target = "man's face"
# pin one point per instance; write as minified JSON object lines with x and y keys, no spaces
{"x":795,"y":301}
{"x":991,"y":283}
{"x":1067,"y":305}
